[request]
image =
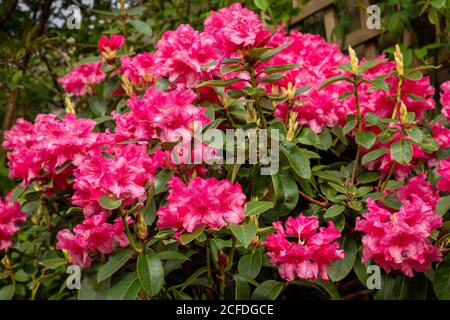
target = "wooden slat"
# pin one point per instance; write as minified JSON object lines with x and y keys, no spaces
{"x":330,"y":20}
{"x":309,"y":8}
{"x":360,"y":36}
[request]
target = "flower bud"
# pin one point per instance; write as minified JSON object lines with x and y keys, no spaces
{"x":398,"y":56}
{"x":222,"y":259}
{"x":403,"y":113}
{"x":6,"y":262}
{"x":141,"y":227}
{"x":69,"y":106}
{"x":353,"y":59}
{"x":292,"y":126}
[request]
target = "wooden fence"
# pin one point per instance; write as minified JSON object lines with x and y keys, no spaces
{"x":362,"y":38}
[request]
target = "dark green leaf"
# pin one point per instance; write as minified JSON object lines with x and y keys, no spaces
{"x":245,"y":233}
{"x":151,"y":273}
{"x":114,"y":263}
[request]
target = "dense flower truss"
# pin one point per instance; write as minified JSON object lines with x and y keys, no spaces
{"x":312,"y":252}
{"x":445,"y":99}
{"x":317,"y":60}
{"x":82,"y":79}
{"x":120,"y":171}
{"x":10,"y":216}
{"x":94,"y":235}
{"x":235,"y":29}
{"x":160,"y":115}
{"x":139,"y":69}
{"x":444,"y":171}
{"x":202,"y":202}
{"x":42,"y":150}
{"x":441,"y":134}
{"x":181,"y":54}
{"x":399,"y":239}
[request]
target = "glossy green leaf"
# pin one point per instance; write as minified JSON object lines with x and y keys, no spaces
{"x":151,"y":273}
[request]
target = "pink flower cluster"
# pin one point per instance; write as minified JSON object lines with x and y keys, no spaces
{"x":310,"y":256}
{"x":82,"y":79}
{"x":445,"y":99}
{"x":41,"y":150}
{"x":399,"y":240}
{"x":94,"y":235}
{"x":234,"y":29}
{"x":444,"y":171}
{"x":159,"y":114}
{"x":120,"y":171}
{"x":139,"y":69}
{"x":181,"y":54}
{"x":207,"y":202}
{"x":10,"y":216}
{"x":107,"y":45}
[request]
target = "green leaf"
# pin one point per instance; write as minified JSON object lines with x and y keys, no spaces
{"x":245,"y":233}
{"x":272,"y":78}
{"x":108,"y":203}
{"x":270,"y":53}
{"x":151,"y":273}
{"x":366,"y":139}
{"x":7,"y":292}
{"x":114,"y":263}
{"x":299,"y":162}
{"x":368,"y":177}
{"x":349,"y":126}
{"x":127,"y":288}
{"x":142,"y":27}
{"x":415,"y":134}
{"x":286,"y":191}
{"x":360,"y":270}
{"x":242,"y":289}
{"x":268,"y":290}
{"x":333,"y":211}
{"x":90,"y":289}
{"x":443,"y":205}
{"x":161,"y":181}
{"x":218,"y":83}
{"x":441,"y":282}
{"x":341,"y":268}
{"x":345,"y":95}
{"x":258,"y":207}
{"x":250,"y":264}
{"x":402,"y":151}
{"x":228,"y":69}
{"x":415,"y":97}
{"x":187,"y":237}
{"x":373,"y":155}
{"x":369,"y":65}
{"x":53,"y":263}
{"x":281,"y":68}
{"x":261,"y":4}
{"x":332,"y":80}
{"x":171,"y":255}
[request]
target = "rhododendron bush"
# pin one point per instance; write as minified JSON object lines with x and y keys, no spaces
{"x":140,"y":203}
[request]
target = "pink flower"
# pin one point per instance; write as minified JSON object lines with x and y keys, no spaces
{"x":235,"y":28}
{"x":207,"y":202}
{"x":121,"y":171}
{"x":445,"y":99}
{"x":138,"y":69}
{"x":160,"y":115}
{"x":92,"y":236}
{"x":399,"y":240}
{"x":318,"y":61}
{"x":82,"y":79}
{"x":181,"y":54}
{"x":444,"y":170}
{"x":41,"y":150}
{"x":10,"y":216}
{"x":106,"y":45}
{"x":418,"y":187}
{"x":310,"y":256}
{"x":441,"y":134}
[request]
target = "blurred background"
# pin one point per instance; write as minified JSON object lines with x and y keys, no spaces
{"x":40,"y":40}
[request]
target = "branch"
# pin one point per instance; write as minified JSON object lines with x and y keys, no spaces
{"x":319,"y":203}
